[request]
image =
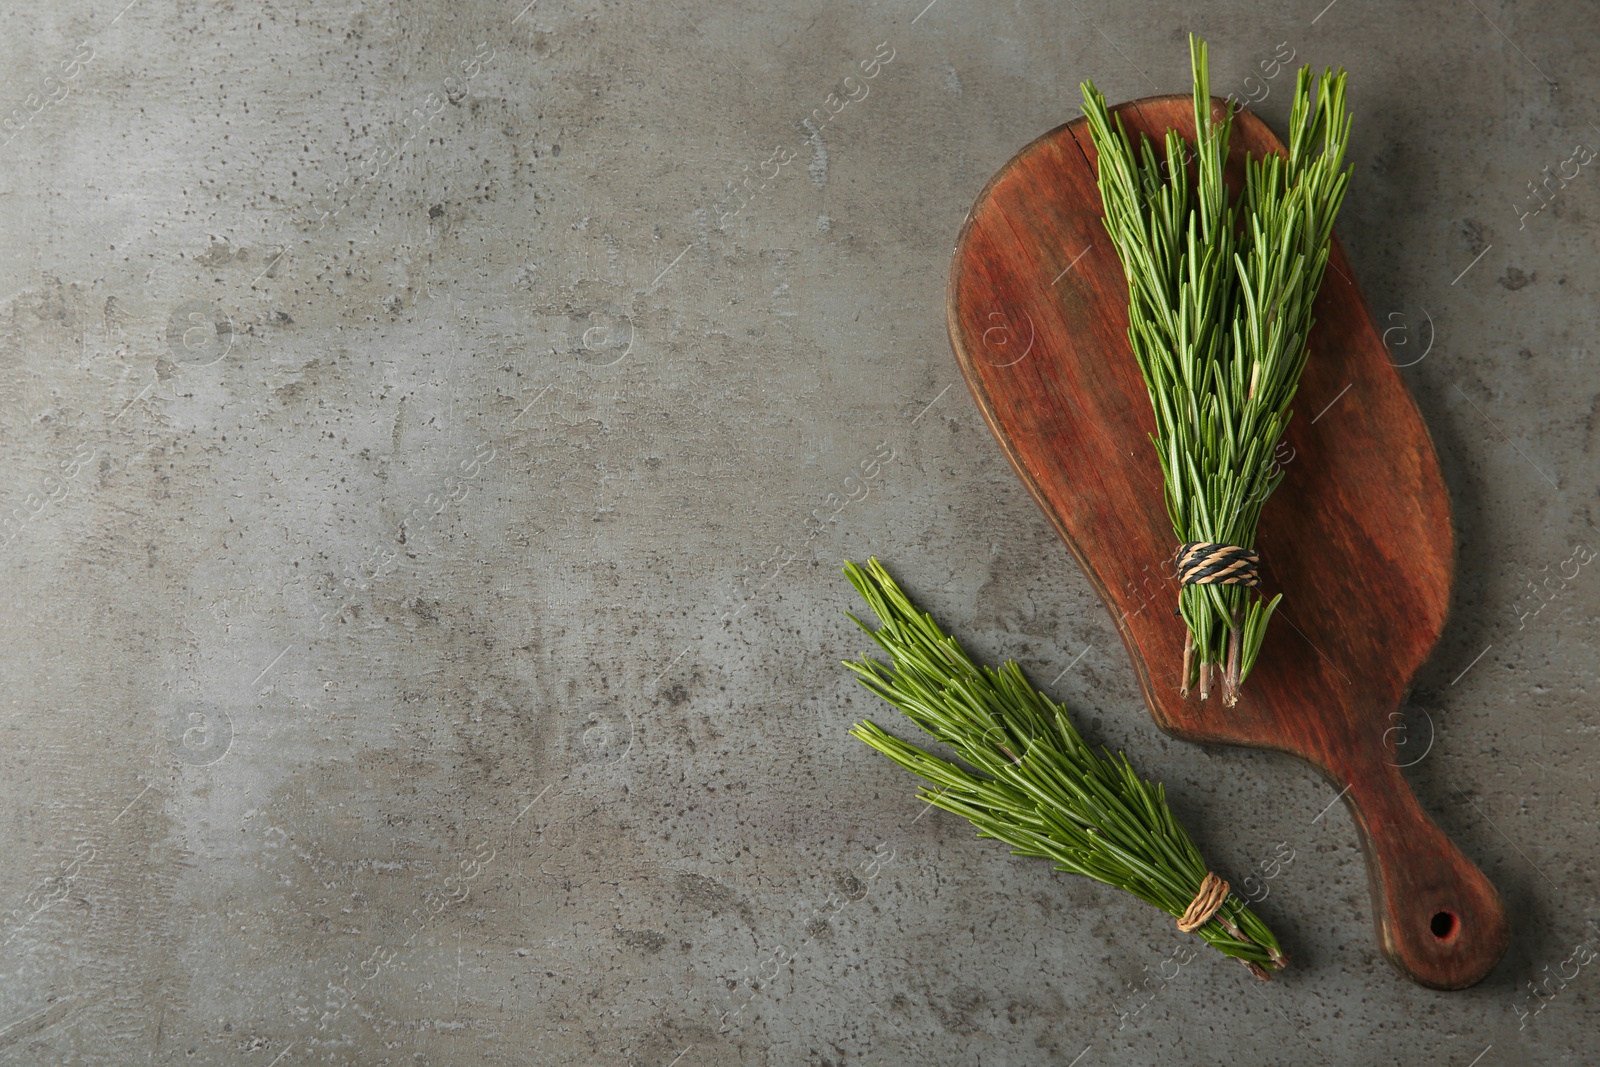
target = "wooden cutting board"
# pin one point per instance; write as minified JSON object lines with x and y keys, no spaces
{"x":1358,"y":536}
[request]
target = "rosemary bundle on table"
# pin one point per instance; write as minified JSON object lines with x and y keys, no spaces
{"x":1219,"y":310}
{"x":1030,"y":780}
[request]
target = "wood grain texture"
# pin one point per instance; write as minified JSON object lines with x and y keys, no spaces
{"x":1358,"y":536}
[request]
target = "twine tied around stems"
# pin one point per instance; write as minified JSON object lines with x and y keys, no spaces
{"x":1213,"y":891}
{"x":1213,"y":563}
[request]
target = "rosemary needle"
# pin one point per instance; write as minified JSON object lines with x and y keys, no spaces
{"x":1027,"y":778}
{"x":1219,"y":312}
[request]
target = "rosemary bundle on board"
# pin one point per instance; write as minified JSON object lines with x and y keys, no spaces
{"x":1028,"y":779}
{"x":1219,"y":308}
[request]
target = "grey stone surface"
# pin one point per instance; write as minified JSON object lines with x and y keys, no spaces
{"x":561,"y":774}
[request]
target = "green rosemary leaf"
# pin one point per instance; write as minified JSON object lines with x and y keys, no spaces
{"x":1219,"y":312}
{"x":1027,"y":778}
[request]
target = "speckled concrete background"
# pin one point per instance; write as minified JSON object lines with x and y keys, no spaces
{"x":426,"y":479}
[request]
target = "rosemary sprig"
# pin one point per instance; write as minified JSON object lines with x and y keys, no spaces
{"x":1219,"y":311}
{"x":1028,"y":778}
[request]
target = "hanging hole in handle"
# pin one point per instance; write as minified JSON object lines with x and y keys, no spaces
{"x":1444,"y":925}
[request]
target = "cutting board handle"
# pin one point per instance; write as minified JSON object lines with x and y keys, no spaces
{"x":1440,"y":920}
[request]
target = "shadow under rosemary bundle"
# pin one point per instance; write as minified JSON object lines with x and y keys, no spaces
{"x":1219,"y":311}
{"x":1027,"y":778}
